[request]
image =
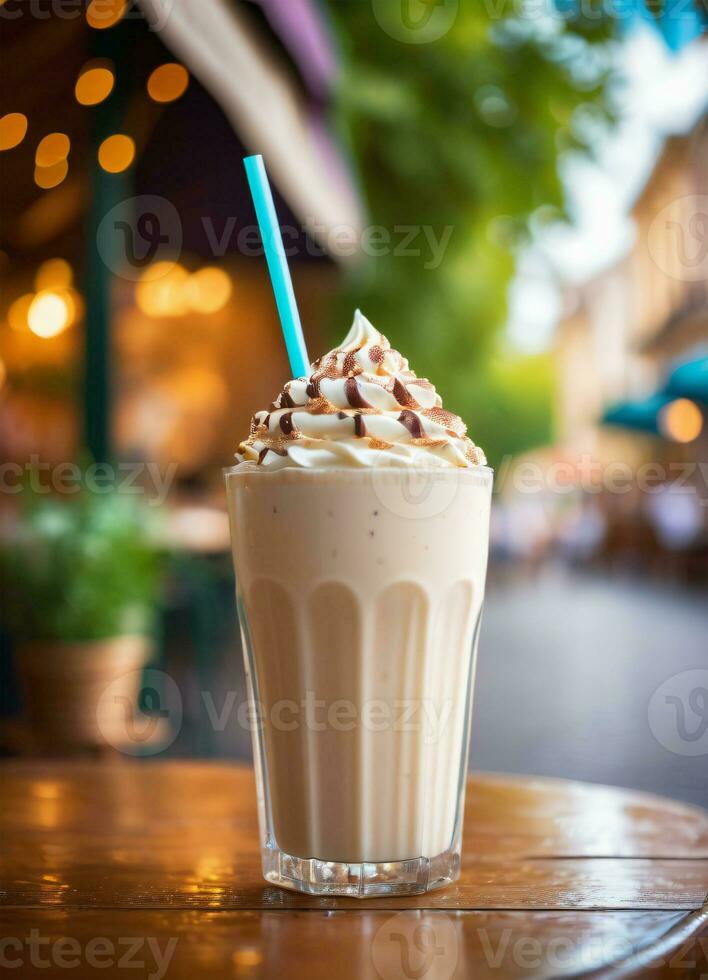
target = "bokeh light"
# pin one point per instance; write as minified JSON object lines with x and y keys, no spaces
{"x":208,"y":290}
{"x":54,"y":274}
{"x":116,"y":153}
{"x":681,"y":420}
{"x":95,"y":84}
{"x":49,"y":314}
{"x":52,"y":150}
{"x":101,"y":14}
{"x":168,"y":82}
{"x":47,"y":177}
{"x":165,"y":296}
{"x":13,"y":129}
{"x":19,"y":310}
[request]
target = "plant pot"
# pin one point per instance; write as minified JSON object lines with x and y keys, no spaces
{"x":62,"y":684}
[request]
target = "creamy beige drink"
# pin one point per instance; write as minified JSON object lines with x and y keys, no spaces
{"x":360,"y":521}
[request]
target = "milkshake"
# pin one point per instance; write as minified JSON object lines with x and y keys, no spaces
{"x":360,"y":520}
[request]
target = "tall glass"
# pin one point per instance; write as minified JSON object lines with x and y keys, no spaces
{"x":359,"y":595}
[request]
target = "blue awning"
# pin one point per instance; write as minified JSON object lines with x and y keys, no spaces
{"x":640,"y":415}
{"x":690,"y":381}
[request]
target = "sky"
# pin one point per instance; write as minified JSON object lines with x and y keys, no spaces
{"x":659,"y":93}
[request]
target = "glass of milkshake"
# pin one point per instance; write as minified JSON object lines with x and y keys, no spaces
{"x":360,"y":522}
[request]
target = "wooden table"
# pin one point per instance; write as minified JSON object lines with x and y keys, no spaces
{"x":109,"y":865}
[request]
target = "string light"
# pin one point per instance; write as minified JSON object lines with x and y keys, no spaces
{"x":48,"y":177}
{"x":52,"y":149}
{"x":116,"y":153}
{"x":681,"y":420}
{"x":13,"y":129}
{"x":208,"y":290}
{"x":101,"y":14}
{"x":168,"y":82}
{"x":49,"y":314}
{"x":94,"y":84}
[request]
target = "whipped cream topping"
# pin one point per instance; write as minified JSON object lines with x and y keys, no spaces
{"x":361,"y":406}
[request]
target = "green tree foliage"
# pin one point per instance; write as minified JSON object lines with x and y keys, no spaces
{"x":465,"y":132}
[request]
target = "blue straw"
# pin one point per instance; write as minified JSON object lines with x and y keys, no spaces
{"x":277,"y":265}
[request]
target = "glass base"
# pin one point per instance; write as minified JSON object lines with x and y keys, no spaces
{"x":366,"y":880}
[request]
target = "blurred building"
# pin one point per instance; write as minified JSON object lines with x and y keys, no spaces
{"x":632,"y":354}
{"x":626,"y":329}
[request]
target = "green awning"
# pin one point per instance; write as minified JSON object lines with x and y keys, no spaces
{"x":690,"y":380}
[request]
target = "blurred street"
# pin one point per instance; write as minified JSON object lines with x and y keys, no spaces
{"x":568,"y":665}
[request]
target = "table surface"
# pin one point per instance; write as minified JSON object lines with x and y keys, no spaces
{"x":159,"y":863}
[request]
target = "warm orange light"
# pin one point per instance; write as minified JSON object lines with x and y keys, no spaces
{"x":13,"y":129}
{"x":208,"y":290}
{"x":116,"y":153}
{"x":17,"y":314}
{"x":168,"y":82}
{"x":3,"y":373}
{"x":681,"y":420}
{"x":94,"y":84}
{"x":54,"y":274}
{"x":49,"y":314}
{"x":52,"y":149}
{"x":246,"y":958}
{"x":104,"y":13}
{"x":46,"y":177}
{"x":165,"y":296}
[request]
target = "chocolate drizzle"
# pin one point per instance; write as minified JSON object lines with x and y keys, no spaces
{"x":353,"y":395}
{"x":401,"y":393}
{"x":286,"y":400}
{"x":313,"y":388}
{"x":411,"y":421}
{"x":287,"y":424}
{"x":359,"y":426}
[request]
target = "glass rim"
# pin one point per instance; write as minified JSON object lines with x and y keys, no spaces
{"x":238,"y":470}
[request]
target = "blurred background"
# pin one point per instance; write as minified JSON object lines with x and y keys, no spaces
{"x":515,"y":193}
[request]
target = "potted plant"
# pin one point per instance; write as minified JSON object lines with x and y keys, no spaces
{"x":80,"y":582}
